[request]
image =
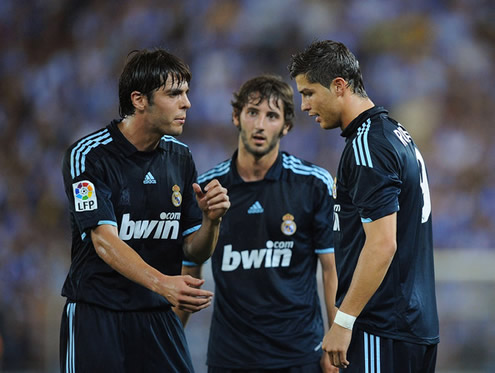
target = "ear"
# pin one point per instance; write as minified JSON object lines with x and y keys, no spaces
{"x":339,"y":85}
{"x":235,"y":120}
{"x":139,"y":100}
{"x":285,"y":129}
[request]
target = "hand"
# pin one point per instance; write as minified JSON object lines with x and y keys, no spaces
{"x":326,"y":366}
{"x":336,"y":343}
{"x":214,"y":201}
{"x":183,"y":292}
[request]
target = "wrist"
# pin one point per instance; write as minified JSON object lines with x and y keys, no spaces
{"x":344,"y":320}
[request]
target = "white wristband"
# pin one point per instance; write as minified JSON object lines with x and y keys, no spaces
{"x":344,"y":320}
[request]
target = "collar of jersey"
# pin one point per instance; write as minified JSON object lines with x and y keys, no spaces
{"x":124,"y":145}
{"x":274,"y":173}
{"x":361,"y":118}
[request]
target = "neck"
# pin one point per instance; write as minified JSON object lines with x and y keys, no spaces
{"x":134,"y":131}
{"x":252,"y":168}
{"x":354,"y":106}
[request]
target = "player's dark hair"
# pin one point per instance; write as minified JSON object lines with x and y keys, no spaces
{"x":323,"y":61}
{"x":147,"y":70}
{"x":266,"y":87}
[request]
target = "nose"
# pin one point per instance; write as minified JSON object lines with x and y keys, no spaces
{"x":186,"y":104}
{"x":305,"y":105}
{"x":259,"y":122}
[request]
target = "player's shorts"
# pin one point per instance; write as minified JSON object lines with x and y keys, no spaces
{"x":307,"y":368}
{"x":370,"y":353}
{"x":95,"y":339}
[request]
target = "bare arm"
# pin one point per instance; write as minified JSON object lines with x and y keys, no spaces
{"x":329,"y":277}
{"x":194,"y":271}
{"x":214,"y":202}
{"x":374,"y":261}
{"x":181,"y":291}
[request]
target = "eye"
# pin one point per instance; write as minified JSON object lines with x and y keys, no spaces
{"x":252,"y":113}
{"x":272,"y":116}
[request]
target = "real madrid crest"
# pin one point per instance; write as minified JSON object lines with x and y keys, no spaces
{"x":289,"y":226}
{"x":176,"y":196}
{"x":334,"y":187}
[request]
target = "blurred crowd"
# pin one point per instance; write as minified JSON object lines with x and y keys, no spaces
{"x":430,"y":63}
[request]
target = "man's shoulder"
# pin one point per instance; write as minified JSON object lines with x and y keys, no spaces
{"x":170,"y":143}
{"x":217,"y":172}
{"x":88,"y":147}
{"x":301,"y":169}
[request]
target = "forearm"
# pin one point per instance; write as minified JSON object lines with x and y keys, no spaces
{"x":329,"y":291}
{"x":123,"y":259}
{"x":200,"y":245}
{"x":368,"y":275}
{"x":373,"y":263}
{"x":330,"y":283}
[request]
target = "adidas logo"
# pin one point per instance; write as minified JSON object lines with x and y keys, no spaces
{"x":149,"y":179}
{"x":256,"y":208}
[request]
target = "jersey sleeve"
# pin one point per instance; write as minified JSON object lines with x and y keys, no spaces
{"x":88,"y":195}
{"x":323,"y":216}
{"x":374,"y":179}
{"x":192,"y":215}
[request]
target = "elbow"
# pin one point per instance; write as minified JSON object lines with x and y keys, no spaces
{"x":390,"y":247}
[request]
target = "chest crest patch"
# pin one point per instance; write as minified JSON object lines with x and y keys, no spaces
{"x":176,"y":196}
{"x":334,"y":187}
{"x":288,"y":226}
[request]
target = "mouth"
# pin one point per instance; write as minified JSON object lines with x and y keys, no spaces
{"x":317,"y":117}
{"x":259,"y":139}
{"x":181,"y":120}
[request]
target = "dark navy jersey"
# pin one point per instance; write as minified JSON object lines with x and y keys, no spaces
{"x":148,"y":196}
{"x":382,"y":172}
{"x":267,"y":312}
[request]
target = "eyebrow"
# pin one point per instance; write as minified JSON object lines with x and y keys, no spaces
{"x":176,"y":90}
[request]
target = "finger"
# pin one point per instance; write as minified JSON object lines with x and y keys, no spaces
{"x":212,"y":184}
{"x":192,"y":281}
{"x":191,"y":308}
{"x":199,"y":293}
{"x":218,"y":201}
{"x":343,"y":359}
{"x":198,"y":191}
{"x":193,"y":303}
{"x":216,"y":192}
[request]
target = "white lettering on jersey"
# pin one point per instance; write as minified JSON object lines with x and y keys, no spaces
{"x":403,"y":135}
{"x":276,"y":254}
{"x":166,"y":228}
{"x":336,"y":221}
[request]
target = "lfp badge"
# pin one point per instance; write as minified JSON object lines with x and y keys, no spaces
{"x":84,"y":196}
{"x":176,"y":196}
{"x":289,"y":226}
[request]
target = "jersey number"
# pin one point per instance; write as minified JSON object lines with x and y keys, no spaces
{"x":424,"y":187}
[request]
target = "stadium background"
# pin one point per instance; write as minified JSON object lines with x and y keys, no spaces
{"x":429,"y":62}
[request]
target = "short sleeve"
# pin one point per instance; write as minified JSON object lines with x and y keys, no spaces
{"x":88,"y":195}
{"x":192,"y":215}
{"x":374,"y":184}
{"x":323,"y":216}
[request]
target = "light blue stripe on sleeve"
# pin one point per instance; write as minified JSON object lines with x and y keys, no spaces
{"x":366,"y":220}
{"x":191,"y":230}
{"x":329,"y":250}
{"x":187,"y":263}
{"x":107,"y":222}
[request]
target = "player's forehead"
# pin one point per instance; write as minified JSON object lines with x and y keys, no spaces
{"x":174,"y":82}
{"x":272,"y":102}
